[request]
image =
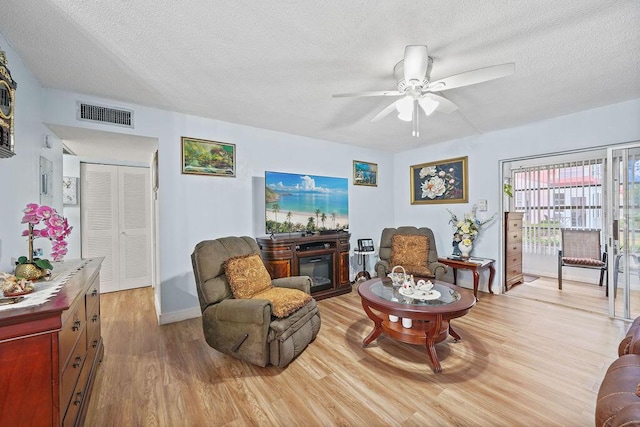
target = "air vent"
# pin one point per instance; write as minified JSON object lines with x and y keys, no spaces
{"x":103,"y":114}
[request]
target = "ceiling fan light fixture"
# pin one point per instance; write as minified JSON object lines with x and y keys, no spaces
{"x":404,"y":105}
{"x":428,"y":105}
{"x":406,"y":117}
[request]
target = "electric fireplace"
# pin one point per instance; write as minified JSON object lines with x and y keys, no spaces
{"x":319,"y":268}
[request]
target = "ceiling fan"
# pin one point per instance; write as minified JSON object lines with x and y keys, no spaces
{"x":418,"y":91}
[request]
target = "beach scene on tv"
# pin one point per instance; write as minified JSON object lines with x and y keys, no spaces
{"x":299,"y":202}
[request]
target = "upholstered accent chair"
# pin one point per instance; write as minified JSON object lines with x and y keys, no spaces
{"x":247,"y":327}
{"x":413,"y":248}
{"x":581,"y":248}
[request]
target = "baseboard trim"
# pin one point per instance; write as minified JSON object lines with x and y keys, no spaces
{"x":178,"y":316}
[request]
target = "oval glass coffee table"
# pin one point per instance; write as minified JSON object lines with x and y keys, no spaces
{"x":430,"y":313}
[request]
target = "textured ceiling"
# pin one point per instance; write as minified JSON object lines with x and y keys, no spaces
{"x":275,"y":64}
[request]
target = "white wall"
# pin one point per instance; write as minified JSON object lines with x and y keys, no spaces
{"x":194,"y":208}
{"x":613,"y":124}
{"x":19,"y":175}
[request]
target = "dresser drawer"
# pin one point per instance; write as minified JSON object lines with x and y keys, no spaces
{"x":512,"y":258}
{"x":71,"y":330}
{"x":93,"y":328}
{"x":92,"y":297}
{"x":513,"y":271}
{"x":514,"y":236}
{"x":514,"y":224}
{"x":71,"y":372}
{"x":78,"y":395}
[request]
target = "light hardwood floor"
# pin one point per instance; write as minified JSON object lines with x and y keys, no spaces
{"x":581,"y":295}
{"x":520,"y":363}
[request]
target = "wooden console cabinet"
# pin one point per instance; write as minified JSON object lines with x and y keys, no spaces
{"x":512,"y":249}
{"x":282,"y":255}
{"x":49,"y":355}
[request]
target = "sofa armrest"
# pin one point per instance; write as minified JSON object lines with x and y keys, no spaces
{"x":382,"y":268}
{"x":244,"y":311}
{"x":630,"y":344}
{"x":302,"y":283}
{"x":438,"y":269}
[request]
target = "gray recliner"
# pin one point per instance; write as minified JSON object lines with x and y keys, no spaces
{"x":383,"y":266}
{"x":246,"y":328}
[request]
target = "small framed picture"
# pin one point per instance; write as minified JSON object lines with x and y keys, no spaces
{"x":444,"y":181}
{"x":69,"y":190}
{"x":365,"y":173}
{"x":202,"y":157}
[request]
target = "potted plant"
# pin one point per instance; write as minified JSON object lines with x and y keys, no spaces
{"x":54,"y":227}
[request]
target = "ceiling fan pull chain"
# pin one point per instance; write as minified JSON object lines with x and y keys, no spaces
{"x":416,"y":132}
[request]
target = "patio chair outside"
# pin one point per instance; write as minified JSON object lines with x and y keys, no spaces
{"x":582,"y":249}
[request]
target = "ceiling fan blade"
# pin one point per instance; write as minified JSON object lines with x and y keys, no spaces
{"x":391,"y":107}
{"x":444,"y":105}
{"x":361,"y":94}
{"x":416,"y":60}
{"x":472,"y":77}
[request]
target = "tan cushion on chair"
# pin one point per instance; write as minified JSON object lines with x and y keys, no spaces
{"x":247,"y":275}
{"x":583,"y":261}
{"x":284,"y":301}
{"x":411,"y":252}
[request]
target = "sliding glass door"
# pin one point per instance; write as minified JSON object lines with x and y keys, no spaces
{"x":623,"y":230}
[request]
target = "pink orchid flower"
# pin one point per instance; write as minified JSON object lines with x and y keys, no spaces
{"x":56,"y":227}
{"x":45,"y":211}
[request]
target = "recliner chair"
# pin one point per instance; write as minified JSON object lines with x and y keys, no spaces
{"x":384,"y":265}
{"x":246,"y":328}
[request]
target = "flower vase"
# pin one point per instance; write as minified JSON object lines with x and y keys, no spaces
{"x":29,"y":271}
{"x":456,"y":249}
{"x":465,"y":249}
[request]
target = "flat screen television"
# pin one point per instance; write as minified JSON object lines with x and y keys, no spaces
{"x":305,"y":203}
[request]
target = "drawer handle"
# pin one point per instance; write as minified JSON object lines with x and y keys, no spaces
{"x":94,"y":344}
{"x":78,"y":398}
{"x":76,"y":325}
{"x":94,"y":318}
{"x":77,"y":361}
{"x":94,"y":293}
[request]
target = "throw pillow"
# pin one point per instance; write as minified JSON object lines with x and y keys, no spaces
{"x":411,"y":251}
{"x":284,"y":301}
{"x":247,"y":275}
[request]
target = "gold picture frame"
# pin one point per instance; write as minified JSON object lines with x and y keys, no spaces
{"x":365,"y":173}
{"x":203,"y":157}
{"x":444,"y":181}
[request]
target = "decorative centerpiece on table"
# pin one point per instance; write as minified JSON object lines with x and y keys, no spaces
{"x":465,"y":231}
{"x":53,"y":227}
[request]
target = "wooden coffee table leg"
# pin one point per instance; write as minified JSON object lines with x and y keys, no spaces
{"x":432,"y":333}
{"x":453,"y":333}
{"x":377,"y":328}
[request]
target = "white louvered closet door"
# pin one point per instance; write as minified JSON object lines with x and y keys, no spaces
{"x":115,"y":223}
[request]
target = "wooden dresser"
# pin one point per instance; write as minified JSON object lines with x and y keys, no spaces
{"x":513,"y":249}
{"x":49,"y":354}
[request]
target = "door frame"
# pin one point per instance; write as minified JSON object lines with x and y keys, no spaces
{"x":613,"y":225}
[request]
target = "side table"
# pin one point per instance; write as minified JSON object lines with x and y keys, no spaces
{"x":364,"y":274}
{"x":474,"y":264}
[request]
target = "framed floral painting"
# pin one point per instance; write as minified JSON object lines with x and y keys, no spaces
{"x":444,"y":181}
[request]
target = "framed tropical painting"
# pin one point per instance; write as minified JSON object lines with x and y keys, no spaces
{"x":365,"y":173}
{"x":202,"y":157}
{"x":444,"y":181}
